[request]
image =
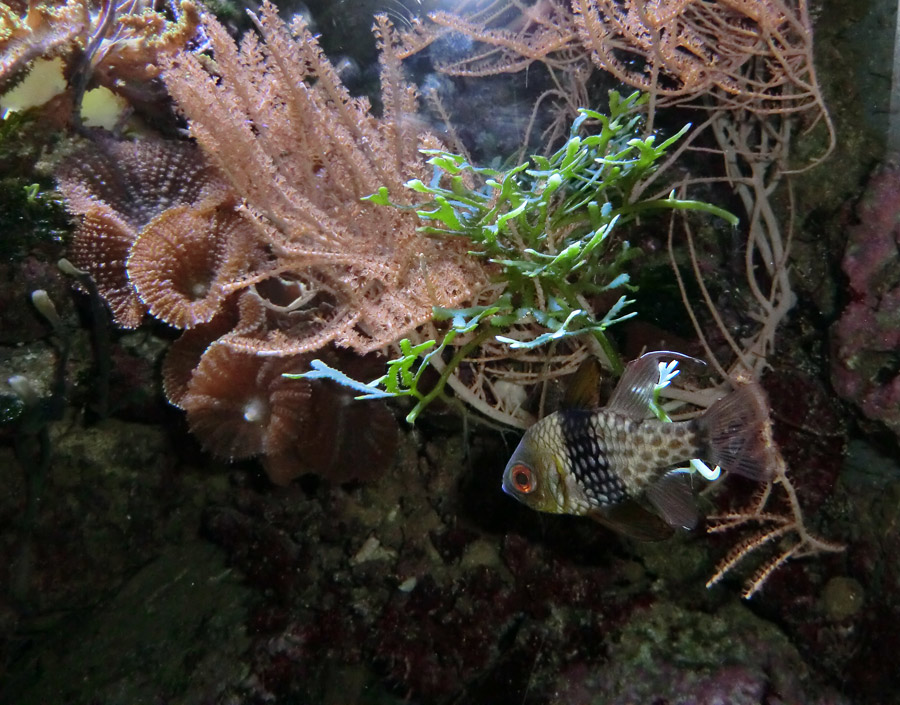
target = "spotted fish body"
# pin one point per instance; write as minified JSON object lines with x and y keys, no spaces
{"x":610,"y":457}
{"x":599,"y":462}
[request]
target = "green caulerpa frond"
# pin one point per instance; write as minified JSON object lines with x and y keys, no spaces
{"x":546,"y":227}
{"x":405,"y":372}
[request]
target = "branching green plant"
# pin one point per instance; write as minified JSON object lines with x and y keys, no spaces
{"x":545,"y":226}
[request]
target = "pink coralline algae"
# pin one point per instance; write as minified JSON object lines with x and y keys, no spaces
{"x":865,"y":341}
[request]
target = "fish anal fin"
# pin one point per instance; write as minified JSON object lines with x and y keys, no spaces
{"x":583,"y":390}
{"x":631,"y":519}
{"x":673,"y":497}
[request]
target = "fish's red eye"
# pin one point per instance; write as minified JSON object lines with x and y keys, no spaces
{"x":522,"y":478}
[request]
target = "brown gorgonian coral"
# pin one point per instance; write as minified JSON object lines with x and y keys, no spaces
{"x":268,"y":250}
{"x":275,"y":118}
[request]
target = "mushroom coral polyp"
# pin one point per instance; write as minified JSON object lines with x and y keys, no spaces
{"x":162,"y":233}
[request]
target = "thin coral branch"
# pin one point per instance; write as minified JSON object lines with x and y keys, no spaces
{"x":767,"y":527}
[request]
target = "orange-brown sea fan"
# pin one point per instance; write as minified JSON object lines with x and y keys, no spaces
{"x":283,"y":308}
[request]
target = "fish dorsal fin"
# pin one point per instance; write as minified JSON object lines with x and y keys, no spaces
{"x":583,"y":391}
{"x":673,"y":498}
{"x":634,"y":392}
{"x":632,"y":520}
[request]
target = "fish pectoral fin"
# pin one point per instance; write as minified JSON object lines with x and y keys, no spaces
{"x":583,"y":390}
{"x":672,"y":496}
{"x":632,"y":520}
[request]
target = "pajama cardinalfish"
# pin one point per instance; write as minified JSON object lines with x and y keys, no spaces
{"x":609,"y":463}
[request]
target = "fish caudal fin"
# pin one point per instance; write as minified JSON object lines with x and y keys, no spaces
{"x":738,"y":433}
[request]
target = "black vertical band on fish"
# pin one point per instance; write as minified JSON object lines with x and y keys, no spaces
{"x":602,"y":462}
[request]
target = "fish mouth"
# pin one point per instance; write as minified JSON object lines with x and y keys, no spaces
{"x":505,"y":486}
